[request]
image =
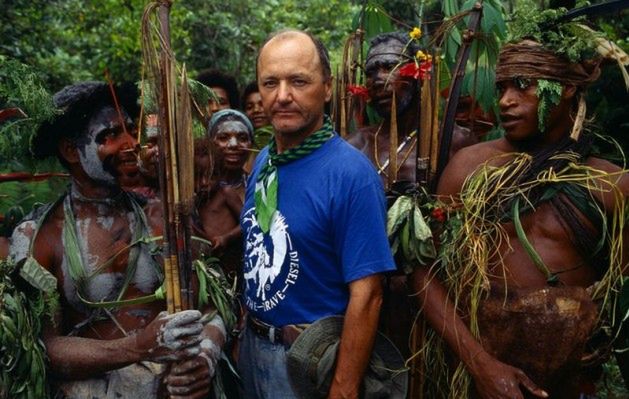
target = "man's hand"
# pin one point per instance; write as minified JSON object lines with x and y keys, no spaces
{"x":496,"y":380}
{"x":171,"y":338}
{"x":219,"y":243}
{"x":190,"y":379}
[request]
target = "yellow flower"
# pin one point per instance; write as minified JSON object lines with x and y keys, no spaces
{"x":416,"y":33}
{"x":421,"y":55}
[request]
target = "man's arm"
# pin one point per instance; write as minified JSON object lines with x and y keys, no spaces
{"x":168,"y":338}
{"x":357,"y":338}
{"x":492,"y":378}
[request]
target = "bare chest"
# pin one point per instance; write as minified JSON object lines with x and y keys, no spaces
{"x":216,"y":217}
{"x":547,"y":235}
{"x":398,"y":161}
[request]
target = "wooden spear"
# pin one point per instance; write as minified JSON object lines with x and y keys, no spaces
{"x":447,"y":126}
{"x":175,"y":155}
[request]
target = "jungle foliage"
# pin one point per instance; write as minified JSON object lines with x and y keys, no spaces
{"x":71,"y":40}
{"x":64,"y":41}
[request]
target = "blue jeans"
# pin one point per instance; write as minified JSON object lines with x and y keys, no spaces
{"x":262,"y":367}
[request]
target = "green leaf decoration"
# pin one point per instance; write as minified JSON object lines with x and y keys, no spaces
{"x":549,"y":95}
{"x":410,"y":229}
{"x":214,"y":290}
{"x":398,"y":213}
{"x":567,"y":39}
{"x":421,"y":229}
{"x":37,"y":276}
{"x":22,"y":354}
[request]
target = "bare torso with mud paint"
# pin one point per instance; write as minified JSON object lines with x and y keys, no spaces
{"x":105,"y":231}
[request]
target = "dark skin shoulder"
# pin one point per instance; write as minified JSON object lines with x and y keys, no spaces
{"x":616,"y":177}
{"x":467,"y":160}
{"x":614,"y":190}
{"x":48,"y":249}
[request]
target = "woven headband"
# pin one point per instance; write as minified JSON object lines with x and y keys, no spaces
{"x":535,"y":62}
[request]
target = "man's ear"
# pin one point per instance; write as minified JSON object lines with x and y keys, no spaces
{"x":568,"y":92}
{"x":328,"y":89}
{"x":68,"y":151}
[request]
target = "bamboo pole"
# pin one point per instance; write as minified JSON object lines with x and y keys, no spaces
{"x":447,"y":125}
{"x":434,"y":134}
{"x":393,"y":143}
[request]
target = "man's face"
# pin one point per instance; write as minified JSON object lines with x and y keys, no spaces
{"x":383,"y":80}
{"x":108,"y":150}
{"x":518,"y":104}
{"x":232,"y":143}
{"x":255,"y":111}
{"x":221,"y":102}
{"x":293,"y":88}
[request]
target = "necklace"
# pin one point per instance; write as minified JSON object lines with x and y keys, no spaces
{"x":76,"y":195}
{"x":382,"y":167}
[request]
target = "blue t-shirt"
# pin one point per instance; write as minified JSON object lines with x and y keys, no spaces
{"x":330,"y":229}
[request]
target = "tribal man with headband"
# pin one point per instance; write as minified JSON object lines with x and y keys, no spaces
{"x":387,"y":53}
{"x":540,"y":247}
{"x":96,"y":241}
{"x":230,"y":133}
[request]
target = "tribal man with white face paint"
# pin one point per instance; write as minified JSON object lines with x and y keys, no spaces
{"x":231,"y":135}
{"x":94,"y":241}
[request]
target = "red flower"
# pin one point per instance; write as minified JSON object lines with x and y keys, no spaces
{"x":439,"y":215}
{"x":421,"y":71}
{"x":359,"y":91}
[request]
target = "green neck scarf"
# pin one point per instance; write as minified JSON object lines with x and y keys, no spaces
{"x":267,"y":182}
{"x":262,"y":136}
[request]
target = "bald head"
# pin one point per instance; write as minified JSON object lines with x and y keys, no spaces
{"x":287,"y":34}
{"x":295,"y":83}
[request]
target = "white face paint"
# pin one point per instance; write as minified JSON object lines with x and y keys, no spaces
{"x":232,"y":127}
{"x":92,"y":165}
{"x":106,"y":119}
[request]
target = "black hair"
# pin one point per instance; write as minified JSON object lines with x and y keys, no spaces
{"x":322,"y":52}
{"x":411,"y":47}
{"x":252,"y":87}
{"x":77,"y":104}
{"x":216,"y":78}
